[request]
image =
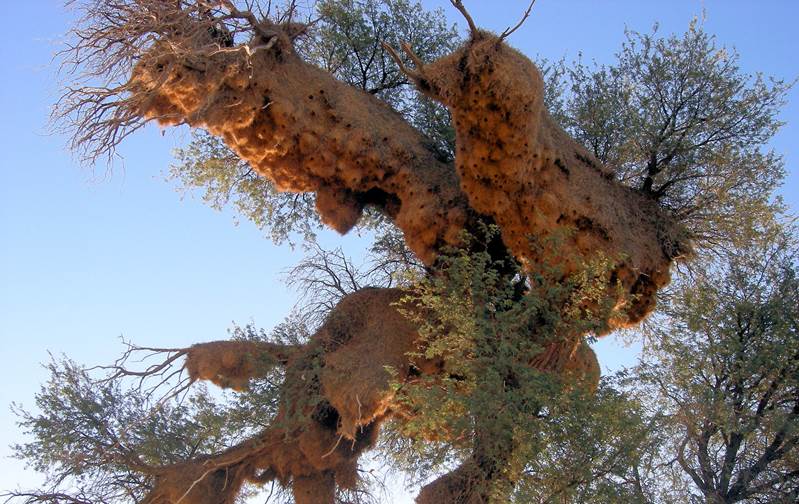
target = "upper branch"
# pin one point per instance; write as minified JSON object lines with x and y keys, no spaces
{"x":308,"y":132}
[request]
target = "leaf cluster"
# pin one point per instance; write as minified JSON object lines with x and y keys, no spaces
{"x":486,"y":328}
{"x":678,"y":120}
{"x":724,"y":368}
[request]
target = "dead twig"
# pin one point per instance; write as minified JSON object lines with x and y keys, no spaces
{"x":458,"y":4}
{"x":338,"y":441}
{"x":510,"y":30}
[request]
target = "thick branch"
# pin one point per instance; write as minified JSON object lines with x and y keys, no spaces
{"x":306,"y":131}
{"x":516,"y":165}
{"x":298,"y":126}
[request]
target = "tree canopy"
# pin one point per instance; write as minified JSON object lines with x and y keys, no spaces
{"x":724,"y":370}
{"x":518,"y":215}
{"x":677,"y":119}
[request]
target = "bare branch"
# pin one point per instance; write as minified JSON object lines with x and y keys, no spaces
{"x":412,"y":55}
{"x":412,"y":74}
{"x":458,"y":4}
{"x":510,"y":30}
{"x":163,"y":370}
{"x":44,"y":497}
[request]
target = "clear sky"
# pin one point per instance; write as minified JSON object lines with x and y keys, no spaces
{"x":86,"y":258}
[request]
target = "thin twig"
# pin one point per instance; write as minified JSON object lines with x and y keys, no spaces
{"x":195,"y":483}
{"x":412,"y":55}
{"x":510,"y":30}
{"x":338,"y":441}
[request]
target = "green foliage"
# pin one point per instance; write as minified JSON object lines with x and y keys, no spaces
{"x":208,"y":165}
{"x":349,"y":45}
{"x":677,"y":119}
{"x":724,"y":368}
{"x":96,"y":436}
{"x":255,"y":410}
{"x":489,"y":403}
{"x":592,"y":449}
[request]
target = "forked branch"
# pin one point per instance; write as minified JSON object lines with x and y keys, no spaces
{"x":414,"y":75}
{"x":518,"y":25}
{"x":164,"y":371}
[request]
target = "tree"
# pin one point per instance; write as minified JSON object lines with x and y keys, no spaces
{"x":678,"y":120}
{"x":726,"y":373}
{"x":108,"y":404}
{"x":528,"y":236}
{"x":673,"y":116}
{"x":93,"y":437}
{"x":601,"y":448}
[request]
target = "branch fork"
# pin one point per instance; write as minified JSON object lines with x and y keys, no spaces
{"x":416,"y":75}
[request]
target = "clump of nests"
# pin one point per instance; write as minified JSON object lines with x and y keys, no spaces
{"x":307,"y":132}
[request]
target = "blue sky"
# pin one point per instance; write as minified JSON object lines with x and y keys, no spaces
{"x":86,"y":258}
